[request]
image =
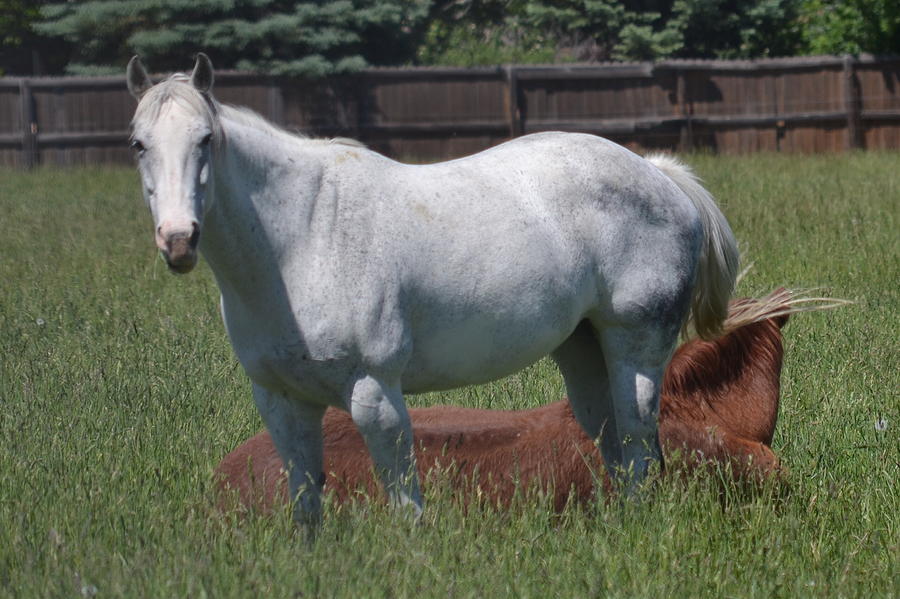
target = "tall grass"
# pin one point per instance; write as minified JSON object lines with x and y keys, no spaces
{"x":119,"y":394}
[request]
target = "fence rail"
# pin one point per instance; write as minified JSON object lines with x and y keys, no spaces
{"x":812,"y":104}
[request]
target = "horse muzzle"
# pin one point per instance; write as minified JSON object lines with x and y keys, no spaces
{"x":179,"y":247}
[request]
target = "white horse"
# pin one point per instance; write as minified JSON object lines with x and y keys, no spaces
{"x":349,"y":279}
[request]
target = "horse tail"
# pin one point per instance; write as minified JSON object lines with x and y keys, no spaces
{"x":719,"y":256}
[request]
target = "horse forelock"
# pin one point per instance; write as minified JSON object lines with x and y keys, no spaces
{"x":177,"y":89}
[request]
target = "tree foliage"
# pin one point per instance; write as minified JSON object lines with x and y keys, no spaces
{"x":16,"y":17}
{"x":281,"y":37}
{"x":852,"y":26}
{"x":737,"y":28}
{"x":322,"y":37}
{"x":22,"y":50}
{"x":620,"y":29}
{"x":601,"y":29}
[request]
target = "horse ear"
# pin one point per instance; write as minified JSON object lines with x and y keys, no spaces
{"x":136,"y":77}
{"x":202,"y":77}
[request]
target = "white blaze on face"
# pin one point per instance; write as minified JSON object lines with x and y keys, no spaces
{"x":173,"y":156}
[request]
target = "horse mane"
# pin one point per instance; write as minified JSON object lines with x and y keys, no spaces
{"x":250,"y":118}
{"x":705,"y":377}
{"x":178,"y":89}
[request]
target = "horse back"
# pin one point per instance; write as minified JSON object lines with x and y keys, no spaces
{"x":499,"y":452}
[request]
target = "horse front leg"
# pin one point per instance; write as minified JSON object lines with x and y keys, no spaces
{"x":296,"y":430}
{"x":380,"y":414}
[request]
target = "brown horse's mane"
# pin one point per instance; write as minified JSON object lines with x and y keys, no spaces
{"x":723,"y":382}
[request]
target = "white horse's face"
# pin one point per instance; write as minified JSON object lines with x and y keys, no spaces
{"x":173,"y":159}
{"x":172,"y":141}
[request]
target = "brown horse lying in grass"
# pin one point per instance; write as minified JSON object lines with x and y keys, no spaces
{"x":719,"y":405}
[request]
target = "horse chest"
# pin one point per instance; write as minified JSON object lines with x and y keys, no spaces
{"x":276,"y":355}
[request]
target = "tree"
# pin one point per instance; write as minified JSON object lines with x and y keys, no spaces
{"x":852,"y":26}
{"x":16,"y":17}
{"x":282,"y":37}
{"x":482,"y":32}
{"x":737,"y":28}
{"x":616,"y":29}
{"x":486,"y":31}
{"x":22,"y":50}
{"x":317,"y":38}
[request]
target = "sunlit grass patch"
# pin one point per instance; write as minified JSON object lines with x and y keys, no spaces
{"x":119,"y":394}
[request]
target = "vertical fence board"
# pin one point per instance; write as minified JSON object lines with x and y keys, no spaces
{"x":28,"y":125}
{"x":513,"y":106}
{"x":851,"y":104}
{"x":818,"y":104}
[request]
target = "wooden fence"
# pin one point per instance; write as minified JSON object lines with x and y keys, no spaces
{"x":818,"y":104}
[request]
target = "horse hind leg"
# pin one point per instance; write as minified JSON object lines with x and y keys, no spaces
{"x":580,"y":361}
{"x":636,"y":356}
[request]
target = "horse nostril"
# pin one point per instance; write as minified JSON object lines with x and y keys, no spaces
{"x":195,"y":237}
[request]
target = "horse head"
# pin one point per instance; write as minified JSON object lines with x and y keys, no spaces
{"x":173,"y":134}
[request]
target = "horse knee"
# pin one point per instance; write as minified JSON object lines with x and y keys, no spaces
{"x":381,"y":417}
{"x":372,"y":408}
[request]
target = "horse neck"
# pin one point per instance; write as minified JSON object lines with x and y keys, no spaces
{"x":249,"y":209}
{"x":734,"y":380}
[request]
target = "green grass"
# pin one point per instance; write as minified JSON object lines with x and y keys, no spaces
{"x":119,"y":394}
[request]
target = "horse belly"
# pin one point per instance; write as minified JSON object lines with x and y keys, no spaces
{"x":485,"y":346}
{"x":507,"y":299}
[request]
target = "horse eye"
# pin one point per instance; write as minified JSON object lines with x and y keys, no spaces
{"x":206,"y":139}
{"x":137,"y":146}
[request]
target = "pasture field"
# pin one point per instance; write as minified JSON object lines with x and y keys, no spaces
{"x":119,"y":394}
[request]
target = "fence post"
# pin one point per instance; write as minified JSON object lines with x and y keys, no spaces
{"x":686,"y":140}
{"x":275,"y":102}
{"x":515,"y":113}
{"x":29,"y":125}
{"x":852,"y":104}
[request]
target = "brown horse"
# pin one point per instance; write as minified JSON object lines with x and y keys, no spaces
{"x":719,"y":406}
